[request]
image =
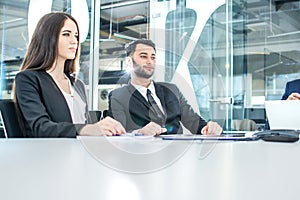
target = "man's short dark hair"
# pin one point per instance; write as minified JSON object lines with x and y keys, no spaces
{"x":130,"y":47}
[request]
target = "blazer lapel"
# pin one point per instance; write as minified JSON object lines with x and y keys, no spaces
{"x":160,"y":93}
{"x":134,"y":92}
{"x":63,"y":105}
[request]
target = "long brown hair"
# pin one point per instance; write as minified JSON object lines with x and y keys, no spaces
{"x":43,"y":48}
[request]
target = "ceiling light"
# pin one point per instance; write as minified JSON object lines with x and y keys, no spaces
{"x":124,"y":36}
{"x":127,"y":3}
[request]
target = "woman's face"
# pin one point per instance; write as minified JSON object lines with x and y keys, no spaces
{"x":68,"y":40}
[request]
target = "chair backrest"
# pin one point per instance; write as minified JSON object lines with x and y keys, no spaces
{"x":95,"y":115}
{"x":105,"y":113}
{"x":244,"y":125}
{"x":9,"y":118}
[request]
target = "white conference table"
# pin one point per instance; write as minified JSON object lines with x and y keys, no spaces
{"x":94,"y":168}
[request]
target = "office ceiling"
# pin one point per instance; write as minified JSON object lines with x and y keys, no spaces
{"x":267,"y":26}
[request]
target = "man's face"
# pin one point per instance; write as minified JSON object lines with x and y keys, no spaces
{"x":143,"y":61}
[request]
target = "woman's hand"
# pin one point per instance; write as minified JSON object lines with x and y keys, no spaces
{"x":105,"y":127}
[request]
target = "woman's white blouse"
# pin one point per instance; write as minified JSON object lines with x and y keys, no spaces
{"x":76,"y":106}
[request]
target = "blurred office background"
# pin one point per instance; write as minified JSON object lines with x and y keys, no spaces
{"x":227,"y":56}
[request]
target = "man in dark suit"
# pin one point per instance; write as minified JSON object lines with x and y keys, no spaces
{"x":152,"y":108}
{"x":292,"y":90}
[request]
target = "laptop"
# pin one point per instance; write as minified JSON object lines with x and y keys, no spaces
{"x":283,"y":114}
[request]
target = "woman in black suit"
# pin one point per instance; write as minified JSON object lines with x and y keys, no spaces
{"x":51,"y":99}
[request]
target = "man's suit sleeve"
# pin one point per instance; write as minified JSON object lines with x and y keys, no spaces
{"x":116,"y":108}
{"x":286,"y":92}
{"x":189,"y":118}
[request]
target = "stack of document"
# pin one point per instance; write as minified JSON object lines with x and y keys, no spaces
{"x":236,"y":137}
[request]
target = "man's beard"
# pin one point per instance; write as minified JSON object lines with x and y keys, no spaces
{"x":139,"y":71}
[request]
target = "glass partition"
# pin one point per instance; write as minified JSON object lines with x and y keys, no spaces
{"x":196,"y":52}
{"x":265,"y":53}
{"x":243,"y":53}
{"x":120,"y":23}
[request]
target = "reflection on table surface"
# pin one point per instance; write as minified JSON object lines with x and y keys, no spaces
{"x":131,"y":168}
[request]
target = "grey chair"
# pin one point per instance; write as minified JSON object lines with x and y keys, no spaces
{"x":244,"y":125}
{"x":105,"y":113}
{"x":9,"y":118}
{"x":95,"y":115}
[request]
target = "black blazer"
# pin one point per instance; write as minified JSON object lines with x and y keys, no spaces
{"x":291,"y":87}
{"x":43,"y":107}
{"x":129,"y":107}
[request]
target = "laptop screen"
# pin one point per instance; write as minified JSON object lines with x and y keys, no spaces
{"x":283,"y":114}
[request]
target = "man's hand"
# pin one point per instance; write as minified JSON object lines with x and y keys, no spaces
{"x":294,"y":96}
{"x":152,"y":129}
{"x":212,"y":128}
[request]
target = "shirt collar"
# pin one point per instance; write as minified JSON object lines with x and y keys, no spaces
{"x":143,"y":90}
